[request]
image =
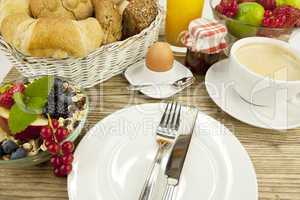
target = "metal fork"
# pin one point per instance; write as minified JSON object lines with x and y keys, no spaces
{"x":165,"y":137}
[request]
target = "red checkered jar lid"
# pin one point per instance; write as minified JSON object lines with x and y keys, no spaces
{"x":207,"y":36}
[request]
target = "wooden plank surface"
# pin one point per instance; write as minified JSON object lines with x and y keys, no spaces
{"x":275,"y":155}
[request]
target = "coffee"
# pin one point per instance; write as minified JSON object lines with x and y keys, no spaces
{"x":270,"y":60}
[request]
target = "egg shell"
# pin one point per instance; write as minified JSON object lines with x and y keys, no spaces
{"x":160,"y":57}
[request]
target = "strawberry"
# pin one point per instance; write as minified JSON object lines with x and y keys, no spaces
{"x":6,"y":100}
{"x":18,"y":87}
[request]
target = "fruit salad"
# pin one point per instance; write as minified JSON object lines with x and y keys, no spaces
{"x":39,"y":115}
{"x":268,"y":14}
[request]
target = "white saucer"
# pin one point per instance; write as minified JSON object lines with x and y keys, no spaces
{"x":294,"y":40}
{"x":220,"y":89}
{"x":113,"y":159}
{"x":139,"y":74}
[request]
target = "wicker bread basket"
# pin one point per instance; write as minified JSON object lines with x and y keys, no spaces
{"x":102,"y":64}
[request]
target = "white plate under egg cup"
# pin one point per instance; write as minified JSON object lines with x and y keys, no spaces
{"x":279,"y":116}
{"x":113,"y":159}
{"x":139,"y":74}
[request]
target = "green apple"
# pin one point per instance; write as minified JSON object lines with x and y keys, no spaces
{"x":249,"y":16}
{"x":251,"y":13}
{"x":240,"y":30}
{"x":293,"y":3}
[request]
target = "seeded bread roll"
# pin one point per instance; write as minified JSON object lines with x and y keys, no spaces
{"x":107,"y":13}
{"x":71,"y":9}
{"x":138,"y":15}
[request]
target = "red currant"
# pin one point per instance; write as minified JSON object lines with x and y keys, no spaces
{"x":53,"y":148}
{"x":61,"y":134}
{"x":46,"y":133}
{"x":57,"y":172}
{"x":48,"y":142}
{"x":65,"y":169}
{"x":67,"y":147}
{"x":67,"y":159}
{"x":282,"y":17}
{"x":56,"y":161}
{"x":55,"y":123}
{"x":268,"y":13}
{"x":228,"y":8}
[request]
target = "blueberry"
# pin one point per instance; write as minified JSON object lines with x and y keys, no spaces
{"x":1,"y":151}
{"x":19,"y":153}
{"x":9,"y":146}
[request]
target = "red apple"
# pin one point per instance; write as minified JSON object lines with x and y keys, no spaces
{"x":31,"y":132}
{"x":268,"y":4}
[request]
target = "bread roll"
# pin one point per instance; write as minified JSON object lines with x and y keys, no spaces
{"x":138,"y":15}
{"x":122,"y":6}
{"x":11,"y":7}
{"x":71,"y":9}
{"x":52,"y":37}
{"x":107,"y":13}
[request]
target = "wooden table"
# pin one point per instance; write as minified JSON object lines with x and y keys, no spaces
{"x":276,"y":155}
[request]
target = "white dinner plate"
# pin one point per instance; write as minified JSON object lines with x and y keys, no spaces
{"x":112,"y":160}
{"x":280,"y":116}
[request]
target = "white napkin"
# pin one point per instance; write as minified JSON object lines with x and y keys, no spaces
{"x":5,"y":66}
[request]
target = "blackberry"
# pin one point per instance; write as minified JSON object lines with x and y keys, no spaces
{"x":66,"y":99}
{"x":58,"y":84}
{"x":59,"y":100}
{"x":62,"y":109}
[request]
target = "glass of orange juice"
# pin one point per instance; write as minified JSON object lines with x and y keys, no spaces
{"x":179,"y":14}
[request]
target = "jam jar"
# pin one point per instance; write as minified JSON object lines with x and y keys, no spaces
{"x":206,"y":44}
{"x":200,"y":62}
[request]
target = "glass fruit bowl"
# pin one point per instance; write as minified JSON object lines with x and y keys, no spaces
{"x":238,"y":29}
{"x":43,"y":156}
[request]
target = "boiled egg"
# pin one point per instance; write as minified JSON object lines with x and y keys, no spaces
{"x":160,"y":57}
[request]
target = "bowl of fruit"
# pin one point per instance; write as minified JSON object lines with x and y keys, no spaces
{"x":40,"y":118}
{"x":266,"y":18}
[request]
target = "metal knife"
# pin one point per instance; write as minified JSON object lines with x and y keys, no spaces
{"x":177,"y":159}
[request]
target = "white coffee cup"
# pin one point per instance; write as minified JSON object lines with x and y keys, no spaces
{"x":256,"y":88}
